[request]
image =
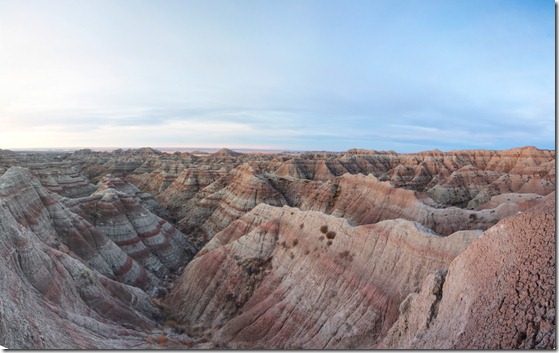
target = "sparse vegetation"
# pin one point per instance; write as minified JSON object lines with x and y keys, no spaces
{"x":331,"y":235}
{"x":346,"y":255}
{"x":324,"y":229}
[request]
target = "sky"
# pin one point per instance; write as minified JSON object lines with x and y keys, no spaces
{"x":403,"y":75}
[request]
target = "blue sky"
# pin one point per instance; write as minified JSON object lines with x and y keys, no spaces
{"x":330,"y":75}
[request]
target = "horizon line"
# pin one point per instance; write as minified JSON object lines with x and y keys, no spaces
{"x":254,"y":149}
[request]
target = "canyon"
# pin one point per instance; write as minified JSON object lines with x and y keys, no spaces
{"x":363,"y":249}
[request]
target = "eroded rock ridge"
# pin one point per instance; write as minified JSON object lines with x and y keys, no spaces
{"x":360,"y":249}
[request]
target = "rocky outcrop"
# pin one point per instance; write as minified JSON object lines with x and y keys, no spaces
{"x":144,"y":198}
{"x":361,"y":199}
{"x":498,"y":294}
{"x":62,"y":178}
{"x":51,"y":300}
{"x":151,"y":241}
{"x":225,"y":152}
{"x":244,"y":190}
{"x":185,"y":187}
{"x":524,"y":170}
{"x":109,"y":231}
{"x":157,"y":173}
{"x":468,"y":179}
{"x":364,"y":200}
{"x":284,"y":278}
{"x":298,"y":250}
{"x":522,"y":201}
{"x":43,"y":213}
{"x":465,"y":179}
{"x":59,"y":275}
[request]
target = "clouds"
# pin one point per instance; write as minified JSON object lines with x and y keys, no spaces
{"x":403,"y":75}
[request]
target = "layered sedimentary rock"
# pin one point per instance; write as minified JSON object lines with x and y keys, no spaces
{"x":498,"y":294}
{"x":58,"y":279}
{"x":62,"y":178}
{"x":242,"y":190}
{"x":468,"y":179}
{"x":144,"y":236}
{"x":465,"y":179}
{"x":285,"y":278}
{"x":51,"y":300}
{"x":305,"y":250}
{"x":159,"y":172}
{"x":185,"y":187}
{"x":145,"y":199}
{"x":120,"y":163}
{"x":471,"y":187}
{"x":109,"y":231}
{"x":147,"y":239}
{"x":43,"y":213}
{"x":358,"y":198}
{"x":364,"y":200}
{"x":226,"y":153}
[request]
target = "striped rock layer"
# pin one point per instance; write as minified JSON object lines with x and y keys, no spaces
{"x":358,"y":198}
{"x":285,"y":278}
{"x":145,"y":199}
{"x":109,"y":231}
{"x":298,"y":250}
{"x":57,"y":300}
{"x":498,"y":294}
{"x":466,"y":178}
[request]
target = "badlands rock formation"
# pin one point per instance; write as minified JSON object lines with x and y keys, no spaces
{"x":109,"y":231}
{"x":358,"y":198}
{"x":285,"y":278}
{"x":498,"y":294}
{"x":466,"y":179}
{"x":64,"y":283}
{"x":360,"y":249}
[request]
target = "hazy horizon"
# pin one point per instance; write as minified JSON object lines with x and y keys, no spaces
{"x":303,"y":75}
{"x":215,"y":149}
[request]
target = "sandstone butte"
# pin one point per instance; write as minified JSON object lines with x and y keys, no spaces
{"x":360,"y":249}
